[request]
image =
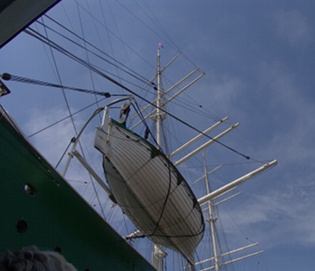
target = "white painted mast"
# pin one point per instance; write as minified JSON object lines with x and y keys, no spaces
{"x":212,"y":221}
{"x":158,"y":102}
{"x":158,"y":254}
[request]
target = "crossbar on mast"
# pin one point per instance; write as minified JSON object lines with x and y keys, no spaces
{"x":239,"y":249}
{"x":211,"y":141}
{"x":184,"y":88}
{"x":182,"y":80}
{"x":235,"y":260}
{"x":243,"y":257}
{"x":225,"y":192}
{"x":237,"y":182}
{"x":228,"y":253}
{"x":226,"y":199}
{"x":161,"y":70}
{"x":208,"y":173}
{"x":197,"y":137}
{"x":171,"y":61}
{"x":171,"y":98}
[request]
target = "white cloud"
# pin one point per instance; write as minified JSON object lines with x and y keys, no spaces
{"x":275,"y":215}
{"x":292,"y":110}
{"x":224,"y":90}
{"x":53,"y":141}
{"x":294,"y":27}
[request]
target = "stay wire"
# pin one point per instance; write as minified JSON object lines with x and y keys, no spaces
{"x":81,"y":61}
{"x":62,"y":50}
{"x":110,"y":10}
{"x":111,"y":32}
{"x":141,"y":21}
{"x":51,"y":125}
{"x":63,"y":155}
{"x":47,"y":84}
{"x":103,"y":58}
{"x":81,"y":147}
{"x":126,"y":69}
{"x":59,"y":79}
{"x":138,"y":111}
{"x":88,"y":60}
{"x":156,"y":21}
{"x":164,"y":32}
{"x":153,"y":18}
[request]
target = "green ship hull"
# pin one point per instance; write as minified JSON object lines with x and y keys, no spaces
{"x":38,"y":207}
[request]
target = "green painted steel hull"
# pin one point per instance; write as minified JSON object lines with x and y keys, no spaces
{"x":55,"y":217}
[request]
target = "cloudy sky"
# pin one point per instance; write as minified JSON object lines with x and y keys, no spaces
{"x":259,"y":59}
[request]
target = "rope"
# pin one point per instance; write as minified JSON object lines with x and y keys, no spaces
{"x":126,"y":69}
{"x":20,"y":79}
{"x":102,"y":74}
{"x":7,"y":76}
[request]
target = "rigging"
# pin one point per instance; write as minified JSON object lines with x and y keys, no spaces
{"x":7,"y":77}
{"x":125,"y":69}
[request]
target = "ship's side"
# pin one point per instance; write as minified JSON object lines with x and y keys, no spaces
{"x":39,"y":208}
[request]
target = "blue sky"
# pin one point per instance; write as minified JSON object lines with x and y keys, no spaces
{"x":259,"y":59}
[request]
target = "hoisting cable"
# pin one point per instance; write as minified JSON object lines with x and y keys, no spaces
{"x":62,"y":50}
{"x":113,"y":33}
{"x":147,"y":130}
{"x":7,"y":77}
{"x":61,"y":120}
{"x":84,"y":63}
{"x":126,"y":69}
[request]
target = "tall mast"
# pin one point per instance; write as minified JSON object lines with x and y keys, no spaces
{"x":217,"y":256}
{"x":158,"y":253}
{"x":158,"y":101}
{"x":212,"y":221}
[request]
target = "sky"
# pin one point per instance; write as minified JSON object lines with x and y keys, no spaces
{"x":258,"y":57}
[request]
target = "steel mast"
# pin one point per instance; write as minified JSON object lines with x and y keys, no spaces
{"x":212,"y":220}
{"x":218,"y":263}
{"x":158,"y":254}
{"x":158,"y":101}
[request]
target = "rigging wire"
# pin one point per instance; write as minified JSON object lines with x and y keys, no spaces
{"x":59,"y":79}
{"x":107,"y":54}
{"x":66,"y":101}
{"x":74,"y":126}
{"x":102,"y":74}
{"x":182,"y":100}
{"x":125,"y":68}
{"x":155,"y":20}
{"x":7,"y":76}
{"x":87,"y":54}
{"x":62,"y":50}
{"x":116,"y":30}
{"x":53,"y":124}
{"x":185,"y":123}
{"x":64,"y":153}
{"x":107,"y":77}
{"x":141,"y":21}
{"x":77,"y":89}
{"x":112,"y":33}
{"x":64,"y":93}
